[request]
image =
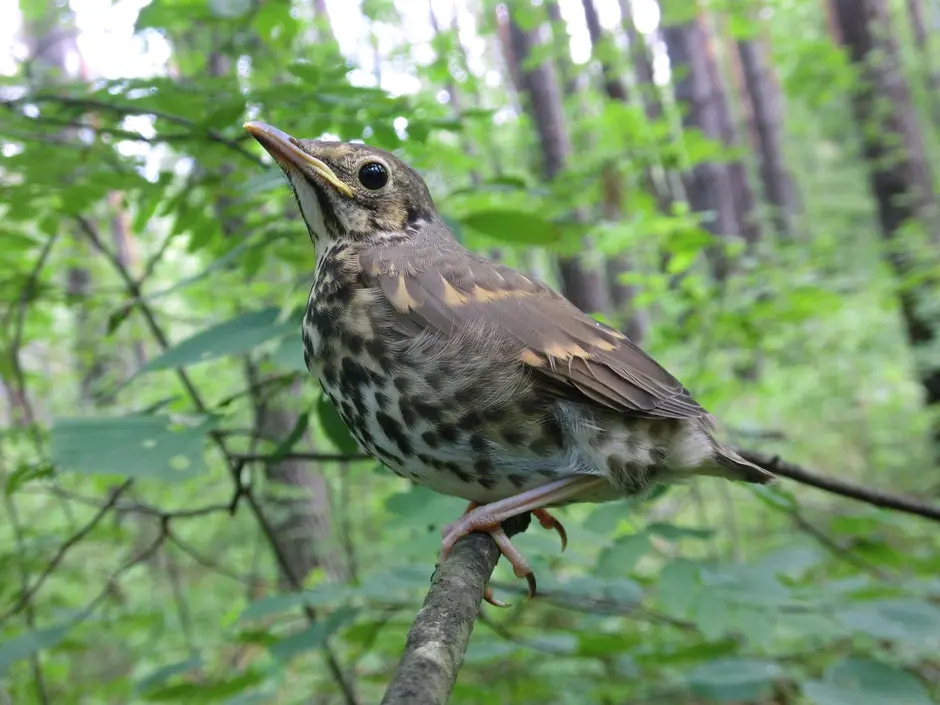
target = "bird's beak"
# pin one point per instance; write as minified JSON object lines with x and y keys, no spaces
{"x":288,"y":154}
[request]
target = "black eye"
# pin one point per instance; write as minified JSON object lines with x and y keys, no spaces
{"x":373,"y":176}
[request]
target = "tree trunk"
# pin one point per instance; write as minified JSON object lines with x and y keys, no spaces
{"x":766,"y":102}
{"x":742,"y":194}
{"x":915,"y":14}
{"x":580,"y":282}
{"x":708,"y":185}
{"x":899,"y":177}
{"x":622,"y":294}
{"x":297,"y":495}
{"x":297,"y":499}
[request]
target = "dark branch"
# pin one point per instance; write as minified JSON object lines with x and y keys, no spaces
{"x":438,"y":638}
{"x":28,"y":592}
{"x":235,"y":465}
{"x":841,"y":487}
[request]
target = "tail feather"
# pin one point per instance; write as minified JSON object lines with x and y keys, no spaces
{"x":732,"y":466}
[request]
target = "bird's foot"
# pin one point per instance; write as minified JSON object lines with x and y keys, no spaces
{"x":489,"y":517}
{"x":475,"y":520}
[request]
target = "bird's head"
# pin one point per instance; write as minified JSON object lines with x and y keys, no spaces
{"x":348,"y":192}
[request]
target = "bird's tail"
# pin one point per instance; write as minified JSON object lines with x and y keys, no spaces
{"x":732,"y":466}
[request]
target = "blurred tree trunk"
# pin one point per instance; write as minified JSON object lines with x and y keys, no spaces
{"x":581,"y":282}
{"x":50,"y":37}
{"x":622,"y":294}
{"x":766,"y":103}
{"x":899,"y":176}
{"x":915,"y":14}
{"x":296,"y":495}
{"x":742,"y":193}
{"x":708,"y":184}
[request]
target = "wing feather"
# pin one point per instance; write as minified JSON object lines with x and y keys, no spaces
{"x":451,"y":291}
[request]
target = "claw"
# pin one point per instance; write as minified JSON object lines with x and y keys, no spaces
{"x":488,"y":596}
{"x":548,"y":521}
{"x":489,"y":518}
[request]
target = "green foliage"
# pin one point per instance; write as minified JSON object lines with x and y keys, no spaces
{"x":235,"y":336}
{"x":705,"y":593}
{"x":131,"y":446}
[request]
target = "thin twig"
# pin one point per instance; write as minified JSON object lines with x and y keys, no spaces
{"x":86,"y":104}
{"x":20,"y":317}
{"x":842,"y":488}
{"x":214,"y":566}
{"x":438,"y":638}
{"x":30,"y":611}
{"x":28,"y":592}
{"x":235,"y":465}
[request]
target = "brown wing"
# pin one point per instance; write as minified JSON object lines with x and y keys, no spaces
{"x":452,"y":290}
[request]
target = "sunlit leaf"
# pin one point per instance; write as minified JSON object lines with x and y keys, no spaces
{"x":734,"y":680}
{"x":619,"y":559}
{"x":25,"y":645}
{"x":235,"y":336}
{"x":313,"y":636}
{"x":513,"y":226}
{"x":131,"y":446}
{"x":334,"y":426}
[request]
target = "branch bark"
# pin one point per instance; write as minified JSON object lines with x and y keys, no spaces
{"x":438,"y":638}
{"x":800,"y":474}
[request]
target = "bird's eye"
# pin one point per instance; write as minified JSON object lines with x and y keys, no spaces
{"x":373,"y":176}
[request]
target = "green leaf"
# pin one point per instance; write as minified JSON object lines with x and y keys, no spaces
{"x":894,"y":620}
{"x":265,"y":181}
{"x":619,"y":559}
{"x":289,"y":355}
{"x":165,"y":673}
{"x":733,"y":679}
{"x":605,"y":518}
{"x":131,"y":446}
{"x":296,"y":433}
{"x":710,"y":612}
{"x":513,"y":226}
{"x":421,"y":506}
{"x":313,"y":636}
{"x":679,"y":584}
{"x":27,"y":644}
{"x":235,"y":336}
{"x":27,"y":473}
{"x":334,"y":426}
{"x":205,"y":692}
{"x":671,"y":532}
{"x":865,"y":682}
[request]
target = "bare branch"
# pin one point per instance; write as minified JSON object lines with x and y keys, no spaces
{"x":235,"y":465}
{"x":438,"y":638}
{"x":86,"y":104}
{"x":878,"y":498}
{"x":28,"y":592}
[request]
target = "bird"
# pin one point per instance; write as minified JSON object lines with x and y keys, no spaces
{"x":467,"y":376}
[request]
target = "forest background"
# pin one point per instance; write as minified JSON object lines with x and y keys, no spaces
{"x":743,"y":186}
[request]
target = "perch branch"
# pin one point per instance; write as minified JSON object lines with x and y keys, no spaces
{"x":841,"y":487}
{"x":438,"y":638}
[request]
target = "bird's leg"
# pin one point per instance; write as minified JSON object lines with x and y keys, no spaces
{"x":546,"y":519}
{"x":489,"y":517}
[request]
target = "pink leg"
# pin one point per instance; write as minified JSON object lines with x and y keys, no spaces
{"x":488,"y":517}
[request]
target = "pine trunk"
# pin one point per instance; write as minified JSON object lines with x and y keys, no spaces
{"x":899,"y":176}
{"x":580,"y":282}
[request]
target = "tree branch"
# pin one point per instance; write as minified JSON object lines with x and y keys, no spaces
{"x":438,"y":638}
{"x":878,"y":498}
{"x":235,"y":466}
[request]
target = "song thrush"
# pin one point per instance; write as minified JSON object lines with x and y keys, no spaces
{"x":466,"y":376}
